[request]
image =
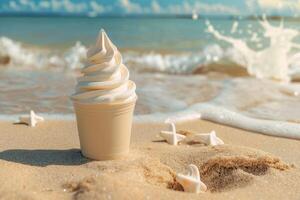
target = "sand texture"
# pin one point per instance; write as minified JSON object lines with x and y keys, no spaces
{"x":45,"y":163}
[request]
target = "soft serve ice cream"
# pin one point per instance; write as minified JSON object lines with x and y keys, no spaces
{"x":104,"y":102}
{"x":105,"y":78}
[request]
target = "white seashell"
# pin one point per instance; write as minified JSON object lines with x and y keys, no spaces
{"x":208,"y":138}
{"x":191,"y":182}
{"x":31,"y":120}
{"x":171,"y":136}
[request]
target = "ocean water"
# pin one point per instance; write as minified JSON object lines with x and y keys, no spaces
{"x":152,"y":34}
{"x":132,"y":33}
{"x":242,"y":73}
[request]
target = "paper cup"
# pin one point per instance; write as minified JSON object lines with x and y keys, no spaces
{"x":104,"y":129}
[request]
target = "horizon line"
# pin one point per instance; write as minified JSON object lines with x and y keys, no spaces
{"x":30,"y":14}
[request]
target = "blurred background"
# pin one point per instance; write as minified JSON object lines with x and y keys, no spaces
{"x":180,"y":53}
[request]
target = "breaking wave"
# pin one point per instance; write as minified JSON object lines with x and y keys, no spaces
{"x":15,"y":54}
{"x":284,"y":66}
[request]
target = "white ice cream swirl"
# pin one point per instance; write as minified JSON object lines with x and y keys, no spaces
{"x":105,"y":78}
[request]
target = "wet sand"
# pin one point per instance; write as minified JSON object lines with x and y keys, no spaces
{"x":45,"y":163}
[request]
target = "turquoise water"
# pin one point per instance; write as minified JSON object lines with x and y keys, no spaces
{"x":146,"y":33}
{"x":127,"y":33}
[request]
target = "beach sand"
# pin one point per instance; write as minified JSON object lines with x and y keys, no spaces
{"x":45,"y":163}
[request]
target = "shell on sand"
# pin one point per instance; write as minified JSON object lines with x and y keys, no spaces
{"x":171,"y":136}
{"x":191,"y":182}
{"x":31,"y":120}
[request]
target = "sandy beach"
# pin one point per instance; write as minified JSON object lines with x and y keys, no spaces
{"x":232,"y":67}
{"x":45,"y":163}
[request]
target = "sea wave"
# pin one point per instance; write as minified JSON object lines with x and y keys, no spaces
{"x":16,"y":54}
{"x":180,"y":63}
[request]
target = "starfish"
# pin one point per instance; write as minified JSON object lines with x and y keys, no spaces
{"x":208,"y":138}
{"x":171,"y":136}
{"x":191,"y":182}
{"x":31,"y":120}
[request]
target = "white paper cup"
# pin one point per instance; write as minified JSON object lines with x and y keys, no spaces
{"x":104,"y":129}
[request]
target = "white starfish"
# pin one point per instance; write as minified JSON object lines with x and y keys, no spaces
{"x":31,"y":120}
{"x":171,"y":136}
{"x":208,"y":138}
{"x":191,"y":182}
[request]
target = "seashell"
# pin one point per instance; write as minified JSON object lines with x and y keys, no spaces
{"x":171,"y":136}
{"x":31,"y":120}
{"x":191,"y":182}
{"x":208,"y":138}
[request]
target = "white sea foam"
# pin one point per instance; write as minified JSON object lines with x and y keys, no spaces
{"x":183,"y":63}
{"x":16,"y":55}
{"x":269,"y":127}
{"x":36,"y":58}
{"x":234,"y":27}
{"x":274,"y":61}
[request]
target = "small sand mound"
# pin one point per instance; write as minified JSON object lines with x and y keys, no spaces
{"x":226,"y":172}
{"x":158,"y":174}
{"x":80,"y":186}
{"x":130,"y":176}
{"x":224,"y":167}
{"x":144,"y":170}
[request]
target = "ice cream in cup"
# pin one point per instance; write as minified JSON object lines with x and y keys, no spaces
{"x":104,"y":102}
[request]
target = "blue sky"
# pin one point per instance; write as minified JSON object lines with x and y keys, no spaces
{"x":120,"y":7}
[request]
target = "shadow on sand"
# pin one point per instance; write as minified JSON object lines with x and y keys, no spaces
{"x":44,"y":157}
